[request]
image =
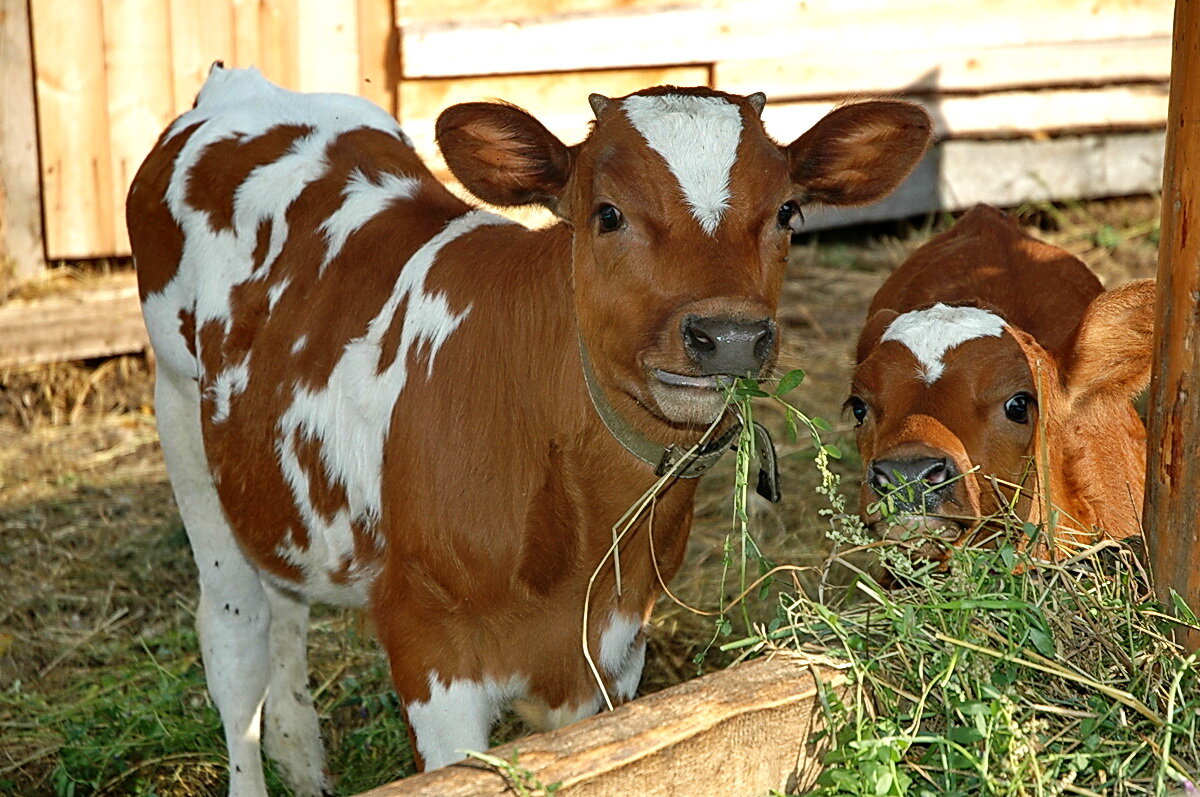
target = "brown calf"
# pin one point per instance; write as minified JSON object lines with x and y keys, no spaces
{"x":372,"y":393}
{"x":991,"y":359}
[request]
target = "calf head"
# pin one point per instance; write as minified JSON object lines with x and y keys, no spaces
{"x":962,"y":414}
{"x":680,"y":209}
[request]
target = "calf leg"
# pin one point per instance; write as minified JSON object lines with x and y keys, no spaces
{"x":456,"y":718}
{"x":233,"y":615}
{"x":291,"y":729}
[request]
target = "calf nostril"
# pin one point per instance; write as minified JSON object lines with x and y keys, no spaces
{"x":936,"y":474}
{"x":929,"y":474}
{"x":696,"y":337}
{"x":765,"y":342}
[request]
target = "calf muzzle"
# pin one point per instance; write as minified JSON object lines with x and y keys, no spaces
{"x":919,"y":485}
{"x":728,"y":346}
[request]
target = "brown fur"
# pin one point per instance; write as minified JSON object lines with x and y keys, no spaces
{"x":1081,"y":352}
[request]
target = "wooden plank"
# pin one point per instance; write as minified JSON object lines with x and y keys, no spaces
{"x":73,"y":130}
{"x":378,"y":53}
{"x":410,"y":12}
{"x":201,"y":32}
{"x":140,"y":92}
{"x":950,"y":69}
{"x":246,"y":27}
{"x":279,"y":42}
{"x":21,"y":253}
{"x":958,"y":174}
{"x":99,"y":319}
{"x":754,"y":29}
{"x":558,"y":101}
{"x":326,"y":45}
{"x":1008,"y":113}
{"x":1172,"y":515}
{"x":746,"y":730}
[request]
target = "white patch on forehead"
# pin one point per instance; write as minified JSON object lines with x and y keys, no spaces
{"x":698,"y":138}
{"x":930,"y":333}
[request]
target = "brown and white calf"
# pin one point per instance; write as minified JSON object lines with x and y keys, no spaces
{"x":988,"y":359}
{"x":372,"y":393}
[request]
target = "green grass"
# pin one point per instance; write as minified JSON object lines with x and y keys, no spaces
{"x":993,"y":673}
{"x":146,"y":726}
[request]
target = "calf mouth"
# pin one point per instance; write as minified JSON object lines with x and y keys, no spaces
{"x":672,"y":379}
{"x":923,"y":536}
{"x":688,"y":399}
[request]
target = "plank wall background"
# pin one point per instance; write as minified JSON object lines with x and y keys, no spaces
{"x":1033,"y":99}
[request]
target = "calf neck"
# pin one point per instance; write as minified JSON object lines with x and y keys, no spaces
{"x":372,"y":393}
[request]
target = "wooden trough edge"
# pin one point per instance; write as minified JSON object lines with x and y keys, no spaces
{"x":745,"y":730}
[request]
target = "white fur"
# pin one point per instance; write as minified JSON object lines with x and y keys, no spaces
{"x":228,"y":384}
{"x":351,"y":414}
{"x":363,"y":199}
{"x":930,"y":333}
{"x":457,"y":717}
{"x":623,"y":653}
{"x":233,"y":616}
{"x":291,"y":729}
{"x":698,"y":138}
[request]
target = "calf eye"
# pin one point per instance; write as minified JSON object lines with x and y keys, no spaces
{"x":858,"y":408}
{"x":1016,"y":409}
{"x":609,"y":218}
{"x":789,"y":212}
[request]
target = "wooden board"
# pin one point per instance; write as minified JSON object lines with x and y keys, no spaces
{"x":378,"y":53}
{"x":327,"y":46}
{"x":98,"y":319}
{"x":140,"y":92}
{"x":743,"y":731}
{"x":410,"y":12}
{"x":951,"y":69}
{"x":958,"y":174}
{"x":73,"y":129}
{"x":558,"y":101}
{"x":21,"y":257}
{"x":201,"y":32}
{"x":1008,"y":114}
{"x":754,"y":29}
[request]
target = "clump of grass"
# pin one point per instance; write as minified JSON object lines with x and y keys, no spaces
{"x":1004,"y":675}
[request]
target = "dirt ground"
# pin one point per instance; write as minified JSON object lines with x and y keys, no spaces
{"x":97,"y":587}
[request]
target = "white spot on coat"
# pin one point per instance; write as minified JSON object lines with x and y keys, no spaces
{"x":931,"y":332}
{"x":457,"y":717}
{"x":351,"y":414}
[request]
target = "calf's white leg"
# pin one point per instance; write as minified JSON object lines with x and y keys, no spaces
{"x":291,"y":729}
{"x":457,"y":717}
{"x":233,"y":616}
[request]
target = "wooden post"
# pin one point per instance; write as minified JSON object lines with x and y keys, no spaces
{"x":1172,"y":515}
{"x":22,"y":256}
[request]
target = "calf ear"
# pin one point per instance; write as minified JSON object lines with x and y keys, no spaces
{"x":858,"y":153}
{"x":1114,"y":344}
{"x":872,"y":331}
{"x":502,"y":154}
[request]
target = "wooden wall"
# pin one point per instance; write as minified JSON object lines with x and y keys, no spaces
{"x":1040,"y":80}
{"x":110,"y":75}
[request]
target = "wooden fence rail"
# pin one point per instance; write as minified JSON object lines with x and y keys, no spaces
{"x":109,"y":74}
